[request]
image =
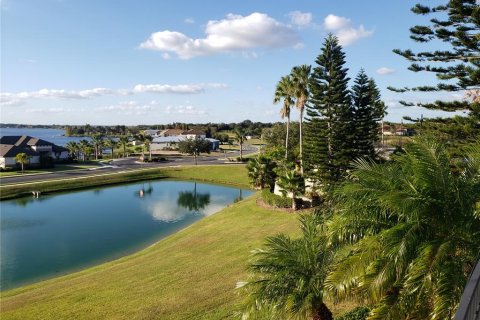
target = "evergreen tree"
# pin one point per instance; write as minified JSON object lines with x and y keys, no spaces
{"x":328,"y":134}
{"x":457,"y":64}
{"x":368,"y":110}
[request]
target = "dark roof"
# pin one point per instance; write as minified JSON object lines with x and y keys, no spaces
{"x":10,"y":151}
{"x":57,"y":149}
{"x":12,"y":145}
{"x":38,"y":142}
{"x":9,"y":139}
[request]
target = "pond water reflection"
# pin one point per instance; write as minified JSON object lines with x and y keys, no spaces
{"x":53,"y":235}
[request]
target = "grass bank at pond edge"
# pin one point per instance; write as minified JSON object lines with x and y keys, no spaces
{"x":189,"y":275}
{"x":226,"y":174}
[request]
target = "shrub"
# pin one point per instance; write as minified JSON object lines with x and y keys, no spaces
{"x":274,"y":200}
{"x":359,"y":313}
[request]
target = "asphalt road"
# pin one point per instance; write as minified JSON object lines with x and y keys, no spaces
{"x":121,"y":165}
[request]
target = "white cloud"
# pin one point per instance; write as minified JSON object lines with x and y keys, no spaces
{"x":333,"y":22}
{"x":178,"y":89}
{"x":343,"y":29}
{"x":47,"y":110}
{"x":166,"y":88}
{"x":191,"y":110}
{"x":385,"y":71}
{"x":16,"y":99}
{"x":235,"y":33}
{"x":189,"y":21}
{"x":127,"y":108}
{"x":300,"y":19}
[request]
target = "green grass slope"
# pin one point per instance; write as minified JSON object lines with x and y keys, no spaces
{"x":189,"y":275}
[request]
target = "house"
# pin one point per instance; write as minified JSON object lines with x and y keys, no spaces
{"x":171,"y":142}
{"x":152,"y":133}
{"x":193,"y":133}
{"x":402,"y":131}
{"x":38,"y":150}
{"x":386,"y":130}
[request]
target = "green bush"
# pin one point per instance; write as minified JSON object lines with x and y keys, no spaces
{"x":274,"y":200}
{"x":359,"y":313}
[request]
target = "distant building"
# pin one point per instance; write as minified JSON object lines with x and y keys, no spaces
{"x":402,"y":131}
{"x":387,"y":130}
{"x":36,"y":149}
{"x":171,"y":142}
{"x":152,"y":133}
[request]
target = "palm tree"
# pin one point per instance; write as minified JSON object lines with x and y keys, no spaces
{"x":73,"y":148}
{"x":285,"y":90}
{"x":261,"y":172}
{"x":85,"y":147}
{"x":288,"y":275}
{"x":124,"y":142}
{"x":97,"y":141}
{"x":22,"y":158}
{"x":240,"y":137}
{"x":292,"y":184}
{"x":411,"y":231}
{"x":147,"y":140}
{"x":112,"y":144}
{"x":300,"y":78}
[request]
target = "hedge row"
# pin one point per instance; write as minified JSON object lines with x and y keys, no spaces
{"x":274,"y":200}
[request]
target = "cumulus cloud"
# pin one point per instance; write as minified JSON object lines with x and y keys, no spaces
{"x":235,"y":33}
{"x":343,"y":29}
{"x":178,"y":89}
{"x":16,"y":99}
{"x":191,"y":110}
{"x":47,"y":110}
{"x":189,"y":21}
{"x":385,"y":71}
{"x":300,"y":19}
{"x":127,"y":108}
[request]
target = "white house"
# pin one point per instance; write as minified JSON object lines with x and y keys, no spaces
{"x":171,"y":142}
{"x":36,"y":149}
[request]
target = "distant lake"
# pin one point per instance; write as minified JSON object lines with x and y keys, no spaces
{"x":55,"y":136}
{"x":57,"y":234}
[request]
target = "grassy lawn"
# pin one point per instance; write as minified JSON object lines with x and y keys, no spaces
{"x":189,"y":275}
{"x":58,"y":167}
{"x":232,"y":175}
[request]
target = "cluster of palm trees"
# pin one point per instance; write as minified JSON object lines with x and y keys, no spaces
{"x":400,"y":237}
{"x":83,"y":149}
{"x":293,"y":90}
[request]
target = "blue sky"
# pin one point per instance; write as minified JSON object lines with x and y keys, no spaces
{"x":153,"y":62}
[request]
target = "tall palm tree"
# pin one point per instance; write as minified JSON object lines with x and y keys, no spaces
{"x":411,"y":231}
{"x":300,"y":78}
{"x":85,"y":147}
{"x":147,"y":140}
{"x":22,"y":158}
{"x":97,"y":142}
{"x":112,"y":144}
{"x":288,"y":275}
{"x":240,"y":137}
{"x":123,"y":141}
{"x":285,"y":91}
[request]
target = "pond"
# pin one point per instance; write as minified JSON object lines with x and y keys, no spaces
{"x":54,"y":235}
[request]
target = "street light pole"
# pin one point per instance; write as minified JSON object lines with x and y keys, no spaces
{"x":196,"y":150}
